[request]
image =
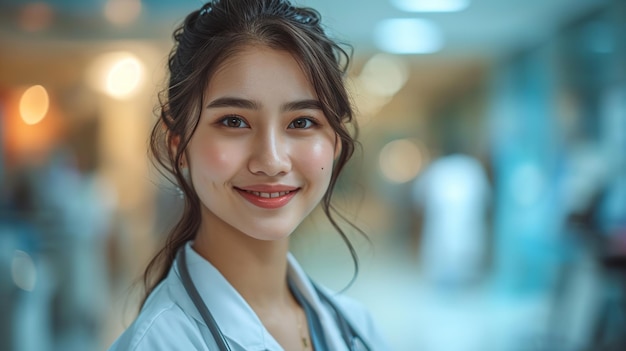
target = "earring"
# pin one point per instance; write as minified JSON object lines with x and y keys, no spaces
{"x":180,"y":192}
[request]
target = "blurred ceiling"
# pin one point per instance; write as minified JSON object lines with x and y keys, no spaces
{"x":486,"y":27}
{"x":473,"y":39}
{"x":54,"y":42}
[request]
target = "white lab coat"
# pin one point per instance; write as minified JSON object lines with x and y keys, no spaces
{"x":170,"y":321}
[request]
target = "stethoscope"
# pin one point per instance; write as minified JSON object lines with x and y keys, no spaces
{"x":353,"y":340}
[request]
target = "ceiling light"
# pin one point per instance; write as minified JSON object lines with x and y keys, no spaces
{"x":431,"y":5}
{"x":408,"y":36}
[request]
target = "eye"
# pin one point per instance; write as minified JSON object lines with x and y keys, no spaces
{"x":233,"y":122}
{"x":302,"y":123}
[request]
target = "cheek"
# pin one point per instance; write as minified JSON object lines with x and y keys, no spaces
{"x":317,"y":159}
{"x":215,"y":159}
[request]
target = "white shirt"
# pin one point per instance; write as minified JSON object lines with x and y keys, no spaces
{"x":170,"y":321}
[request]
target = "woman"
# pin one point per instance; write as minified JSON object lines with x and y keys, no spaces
{"x":254,"y":129}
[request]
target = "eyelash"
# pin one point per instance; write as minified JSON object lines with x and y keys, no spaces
{"x":313,"y":122}
{"x":224,"y":122}
{"x":309,"y":122}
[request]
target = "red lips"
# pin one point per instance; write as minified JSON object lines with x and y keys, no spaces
{"x":268,"y":196}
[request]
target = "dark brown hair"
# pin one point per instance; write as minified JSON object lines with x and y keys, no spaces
{"x":206,"y":38}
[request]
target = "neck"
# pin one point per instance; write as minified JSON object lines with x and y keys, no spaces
{"x":257,"y":269}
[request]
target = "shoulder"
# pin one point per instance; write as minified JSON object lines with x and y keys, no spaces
{"x":353,"y":309}
{"x":359,"y":318}
{"x":161,"y":325}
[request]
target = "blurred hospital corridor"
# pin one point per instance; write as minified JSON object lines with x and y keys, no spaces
{"x":490,"y":180}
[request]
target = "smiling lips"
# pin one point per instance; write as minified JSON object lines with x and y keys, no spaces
{"x":269,"y":197}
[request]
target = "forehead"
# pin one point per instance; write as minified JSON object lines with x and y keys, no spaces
{"x":257,"y":69}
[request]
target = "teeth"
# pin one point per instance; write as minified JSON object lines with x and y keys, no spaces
{"x":269,"y":195}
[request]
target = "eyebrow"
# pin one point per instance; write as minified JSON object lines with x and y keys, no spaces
{"x":307,"y":104}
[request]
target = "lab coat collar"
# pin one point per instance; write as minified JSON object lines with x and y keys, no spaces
{"x":236,"y":319}
{"x":302,"y":282}
{"x":234,"y":316}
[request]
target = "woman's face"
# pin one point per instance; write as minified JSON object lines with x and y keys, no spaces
{"x":261,"y":157}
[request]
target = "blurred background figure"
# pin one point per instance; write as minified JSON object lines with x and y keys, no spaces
{"x":454,"y":193}
{"x":452,"y":199}
{"x":514,"y":240}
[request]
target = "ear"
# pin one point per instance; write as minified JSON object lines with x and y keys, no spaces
{"x":174,"y":143}
{"x":337,"y":147}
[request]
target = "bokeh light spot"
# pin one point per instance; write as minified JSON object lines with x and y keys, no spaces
{"x":401,"y":160}
{"x":123,"y":77}
{"x":122,"y":12}
{"x":23,"y":271}
{"x":431,"y":5}
{"x":34,"y":104}
{"x":408,"y":36}
{"x":384,"y":74}
{"x":35,"y":17}
{"x":117,"y":74}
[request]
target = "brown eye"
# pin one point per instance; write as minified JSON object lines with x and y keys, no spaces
{"x":301,"y":123}
{"x":234,"y":122}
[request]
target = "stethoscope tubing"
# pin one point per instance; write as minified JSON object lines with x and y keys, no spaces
{"x":193,"y":293}
{"x":348,"y":333}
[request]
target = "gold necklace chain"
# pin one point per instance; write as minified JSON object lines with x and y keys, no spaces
{"x":303,"y":335}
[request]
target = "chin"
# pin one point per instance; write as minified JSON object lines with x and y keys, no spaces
{"x":270,"y":235}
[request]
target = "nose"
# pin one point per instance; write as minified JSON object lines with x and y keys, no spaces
{"x":270,"y":154}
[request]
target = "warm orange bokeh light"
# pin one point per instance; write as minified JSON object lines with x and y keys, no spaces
{"x":34,"y":104}
{"x":28,"y":142}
